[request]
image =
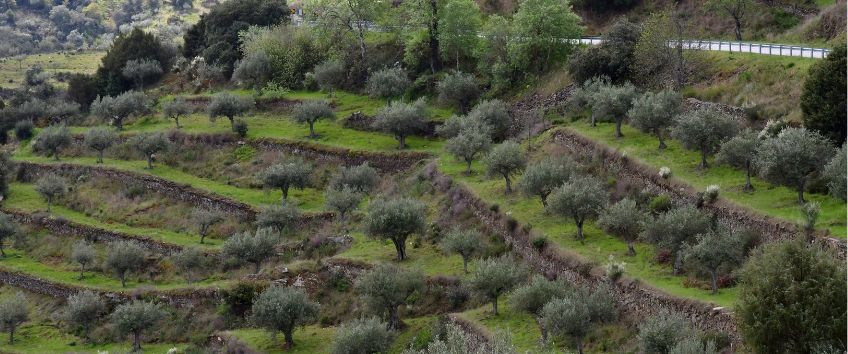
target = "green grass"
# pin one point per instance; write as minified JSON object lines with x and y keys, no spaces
{"x":775,"y":201}
{"x":12,"y":71}
{"x":521,"y":326}
{"x":39,"y":338}
{"x":426,"y":258}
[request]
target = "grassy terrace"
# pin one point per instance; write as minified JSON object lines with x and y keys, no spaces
{"x":12,"y":71}
{"x":38,"y":338}
{"x":427,"y":258}
{"x":776,"y":201}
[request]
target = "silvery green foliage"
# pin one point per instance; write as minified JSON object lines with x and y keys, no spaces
{"x":8,"y":228}
{"x":117,"y":109}
{"x":835,"y":172}
{"x":693,"y":345}
{"x":135,"y":318}
{"x":247,"y":247}
{"x":388,"y":83}
{"x":385,"y":287}
{"x":149,"y":144}
{"x":362,"y":178}
{"x":52,"y":139}
{"x":395,"y":220}
{"x":655,"y":112}
{"x":624,"y":219}
{"x":330,"y":75}
{"x":456,"y":341}
{"x":99,"y":139}
{"x":675,"y":229}
{"x":585,"y":93}
{"x":83,"y":254}
{"x":810,"y":212}
{"x":722,"y":248}
{"x":140,"y":70}
{"x":176,"y":108}
{"x":464,"y":242}
{"x":253,"y":71}
{"x":83,"y":309}
{"x":459,"y":89}
{"x":704,"y":130}
{"x":363,"y":336}
{"x":51,"y":187}
{"x":541,"y":178}
{"x":467,"y":145}
{"x":575,"y":314}
{"x":456,"y":124}
{"x":505,"y":160}
{"x":225,"y":104}
{"x":401,"y":119}
{"x":711,"y":193}
{"x":494,"y":277}
{"x":13,"y":312}
{"x":204,"y":218}
{"x":59,"y":110}
{"x":612,"y":102}
{"x":741,"y":152}
{"x":281,"y":218}
{"x":533,"y":296}
{"x":123,"y":257}
{"x":342,"y":201}
{"x":791,"y":156}
{"x":495,"y":114}
{"x":580,"y":198}
{"x":286,"y":175}
{"x":661,"y":332}
{"x":191,"y":261}
{"x":312,"y":111}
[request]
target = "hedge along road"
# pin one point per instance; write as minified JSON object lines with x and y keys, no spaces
{"x":738,"y":47}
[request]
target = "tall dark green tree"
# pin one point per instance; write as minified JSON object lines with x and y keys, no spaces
{"x":824,"y":97}
{"x":131,"y":46}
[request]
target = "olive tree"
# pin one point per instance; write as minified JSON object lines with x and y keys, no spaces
{"x":14,"y":311}
{"x":282,"y":309}
{"x":83,"y":253}
{"x":467,"y":145}
{"x":661,"y":332}
{"x":191,"y":262}
{"x":792,"y":156}
{"x":228,"y":105}
{"x":388,"y":83}
{"x":585,"y":94}
{"x":495,"y":276}
{"x":205,"y":218}
{"x":655,"y":112}
{"x":722,"y":248}
{"x":464,"y":242}
{"x":580,"y":198}
{"x":386,"y":287}
{"x":505,"y":160}
{"x":247,"y":247}
{"x":8,"y":228}
{"x":834,"y":172}
{"x":675,"y":229}
{"x":363,"y":178}
{"x":123,"y":257}
{"x":740,"y":152}
{"x":613,"y":102}
{"x":83,"y":310}
{"x":459,"y":89}
{"x":576,"y":314}
{"x":395,"y":220}
{"x":149,"y":144}
{"x":51,"y":187}
{"x":542,"y":177}
{"x":312,"y":111}
{"x":792,"y":298}
{"x":286,"y":175}
{"x":253,"y":71}
{"x":624,"y":219}
{"x":401,"y":119}
{"x":135,"y":318}
{"x":703,"y":130}
{"x":330,"y":75}
{"x":175,"y":109}
{"x":495,"y":114}
{"x":99,"y":139}
{"x":117,"y":109}
{"x":365,"y":336}
{"x":52,"y":139}
{"x":533,"y":296}
{"x":457,"y":124}
{"x":278,"y":217}
{"x":342,"y":201}
{"x":139,"y":70}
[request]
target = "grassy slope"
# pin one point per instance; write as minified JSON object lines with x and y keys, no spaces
{"x":427,"y":258}
{"x":12,"y":71}
{"x":40,"y":338}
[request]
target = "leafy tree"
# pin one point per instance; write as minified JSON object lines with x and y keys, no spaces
{"x":278,"y":217}
{"x":533,"y":296}
{"x":458,"y":27}
{"x":586,"y":93}
{"x":823,"y":99}
{"x":613,"y":103}
{"x":661,"y":332}
{"x":83,"y":310}
{"x":253,"y":71}
{"x":52,"y":139}
{"x":135,"y":318}
{"x":613,"y":58}
{"x":740,"y":151}
{"x":60,"y":110}
{"x":835,"y":172}
{"x":249,"y":248}
{"x":495,"y":114}
{"x":228,"y":105}
{"x":736,"y":9}
{"x":286,"y":175}
{"x":8,"y":228}
{"x":388,"y":83}
{"x":624,"y":219}
{"x":83,"y":89}
{"x":14,"y":311}
{"x":459,"y":89}
{"x":83,"y":254}
{"x":204,"y":219}
{"x":99,"y":139}
{"x":462,"y":242}
{"x":703,"y":130}
{"x":655,"y":112}
{"x":190,"y":262}
{"x":541,"y":178}
{"x":342,"y":201}
{"x":312,"y":111}
{"x":123,"y":257}
{"x":119,"y":108}
{"x":792,"y":298}
{"x":715,"y":249}
{"x":496,"y":276}
{"x":50,"y":187}
{"x":401,"y":120}
{"x":538,"y":29}
{"x":395,"y":220}
{"x":138,"y":70}
{"x":467,"y":145}
{"x":149,"y":144}
{"x":580,"y":198}
{"x":457,"y":124}
{"x":505,"y":159}
{"x":348,"y":21}
{"x":366,"y":335}
{"x":792,"y":156}
{"x":133,"y":46}
{"x":386,"y":287}
{"x":330,"y":75}
{"x":176,"y":108}
{"x":362,"y":178}
{"x":675,"y":229}
{"x":577,"y":313}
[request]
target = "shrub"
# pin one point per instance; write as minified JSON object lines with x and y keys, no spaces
{"x":577,"y":313}
{"x":459,"y":89}
{"x":52,"y":139}
{"x":539,"y":242}
{"x":660,"y":204}
{"x":533,"y":296}
{"x":240,"y":128}
{"x":386,"y":287}
{"x":711,"y":193}
{"x":24,"y":130}
{"x":665,"y":172}
{"x":660,"y":333}
{"x":367,"y":335}
{"x":614,"y":270}
{"x":330,"y":75}
{"x":835,"y":174}
{"x":388,"y":83}
{"x":823,"y":100}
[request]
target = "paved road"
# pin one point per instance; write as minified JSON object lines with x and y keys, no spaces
{"x":741,"y":47}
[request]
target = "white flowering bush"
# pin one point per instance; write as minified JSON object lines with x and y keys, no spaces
{"x":711,"y":193}
{"x":614,"y":270}
{"x":665,"y":172}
